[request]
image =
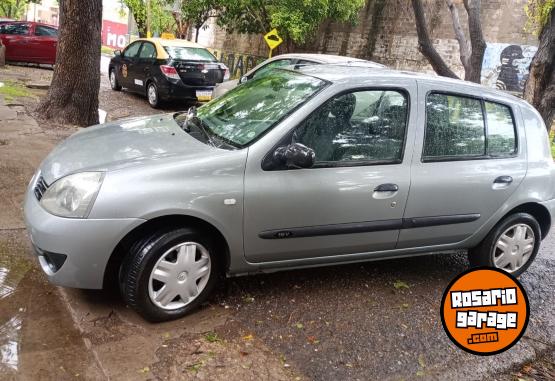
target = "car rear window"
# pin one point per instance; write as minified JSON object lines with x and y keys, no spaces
{"x":192,"y":54}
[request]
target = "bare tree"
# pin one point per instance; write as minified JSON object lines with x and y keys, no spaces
{"x":471,"y":49}
{"x":73,"y":94}
{"x":540,"y":87}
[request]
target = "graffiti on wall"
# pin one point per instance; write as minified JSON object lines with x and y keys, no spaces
{"x":238,"y":64}
{"x":506,"y":66}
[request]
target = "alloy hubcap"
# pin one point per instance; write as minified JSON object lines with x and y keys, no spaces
{"x":113,"y":79}
{"x":514,"y":248}
{"x":152,"y":95}
{"x":179,"y":276}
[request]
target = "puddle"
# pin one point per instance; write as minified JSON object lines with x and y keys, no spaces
{"x":37,"y":336}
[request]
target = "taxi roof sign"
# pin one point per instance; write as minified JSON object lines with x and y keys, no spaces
{"x":168,"y":36}
{"x":273,"y":39}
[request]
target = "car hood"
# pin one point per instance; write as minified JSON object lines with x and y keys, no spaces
{"x":120,"y":144}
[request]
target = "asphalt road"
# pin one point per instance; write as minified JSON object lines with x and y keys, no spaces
{"x":336,"y":323}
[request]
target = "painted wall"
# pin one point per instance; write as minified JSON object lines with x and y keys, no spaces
{"x":507,"y":66}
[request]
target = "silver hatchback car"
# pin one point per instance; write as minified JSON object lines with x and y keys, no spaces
{"x":301,"y":168}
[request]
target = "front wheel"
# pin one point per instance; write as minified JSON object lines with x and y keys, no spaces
{"x":168,"y":274}
{"x":114,"y":81}
{"x":512,"y":245}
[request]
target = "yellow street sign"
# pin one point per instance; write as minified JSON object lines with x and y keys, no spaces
{"x":273,"y":39}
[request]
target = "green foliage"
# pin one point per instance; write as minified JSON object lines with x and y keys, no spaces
{"x":538,"y":12}
{"x":294,"y":19}
{"x":14,"y":9}
{"x":160,"y":16}
{"x":198,"y":11}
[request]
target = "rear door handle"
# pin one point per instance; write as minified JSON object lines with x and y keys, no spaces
{"x":387,"y":188}
{"x":503,"y":180}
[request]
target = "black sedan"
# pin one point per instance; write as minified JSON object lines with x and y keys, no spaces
{"x":164,"y":69}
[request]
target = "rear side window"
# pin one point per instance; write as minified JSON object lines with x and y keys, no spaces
{"x":191,"y":54}
{"x":147,"y":51}
{"x":459,"y":128}
{"x":41,"y":30}
{"x":501,"y":130}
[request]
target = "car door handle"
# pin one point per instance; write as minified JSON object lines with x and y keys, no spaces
{"x":387,"y":188}
{"x":502,"y":182}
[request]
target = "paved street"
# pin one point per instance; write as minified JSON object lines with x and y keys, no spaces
{"x":378,"y":320}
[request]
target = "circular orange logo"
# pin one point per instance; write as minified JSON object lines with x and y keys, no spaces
{"x":485,"y":311}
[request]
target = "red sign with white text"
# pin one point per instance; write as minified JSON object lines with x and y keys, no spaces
{"x":114,"y":34}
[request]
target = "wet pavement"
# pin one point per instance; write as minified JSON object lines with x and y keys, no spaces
{"x":378,"y":320}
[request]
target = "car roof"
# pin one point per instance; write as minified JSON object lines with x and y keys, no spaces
{"x":172,"y":42}
{"x":355,"y":74}
{"x":327,"y":58}
{"x":7,"y":21}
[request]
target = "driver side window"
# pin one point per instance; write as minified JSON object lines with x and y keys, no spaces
{"x":357,"y":128}
{"x":132,"y":50}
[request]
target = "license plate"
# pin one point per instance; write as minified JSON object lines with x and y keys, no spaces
{"x":204,"y":95}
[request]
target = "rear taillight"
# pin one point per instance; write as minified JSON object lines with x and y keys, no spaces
{"x":169,"y":71}
{"x":226,"y":72}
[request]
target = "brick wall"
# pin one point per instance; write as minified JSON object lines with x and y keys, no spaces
{"x":386,"y":33}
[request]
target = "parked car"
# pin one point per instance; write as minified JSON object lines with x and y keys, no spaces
{"x":164,"y":69}
{"x":321,"y":165}
{"x":296,"y":60}
{"x":29,"y":42}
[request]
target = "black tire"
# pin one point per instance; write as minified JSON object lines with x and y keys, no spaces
{"x":156,"y":101}
{"x":483,"y":254}
{"x":136,"y":268}
{"x":114,"y":84}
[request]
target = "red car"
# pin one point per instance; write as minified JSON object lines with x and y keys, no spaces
{"x":29,"y":41}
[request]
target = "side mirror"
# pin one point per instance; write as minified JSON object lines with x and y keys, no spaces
{"x":295,"y":155}
{"x":117,"y":53}
{"x":244,"y":79}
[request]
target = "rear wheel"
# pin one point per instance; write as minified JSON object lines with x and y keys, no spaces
{"x":153,"y":95}
{"x":114,"y":81}
{"x":512,"y":245}
{"x":170,"y":273}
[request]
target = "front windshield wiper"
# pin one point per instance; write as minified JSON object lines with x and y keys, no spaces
{"x":192,"y":118}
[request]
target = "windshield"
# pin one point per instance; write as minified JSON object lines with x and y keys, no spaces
{"x":246,"y":112}
{"x":192,"y":54}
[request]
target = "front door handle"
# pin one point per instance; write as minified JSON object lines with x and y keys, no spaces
{"x":387,"y":188}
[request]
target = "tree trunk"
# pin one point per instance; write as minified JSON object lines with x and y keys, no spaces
{"x":425,"y":43}
{"x":477,"y":41}
{"x":540,"y":87}
{"x":73,"y":94}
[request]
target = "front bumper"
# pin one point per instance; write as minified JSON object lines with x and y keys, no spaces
{"x":86,"y":244}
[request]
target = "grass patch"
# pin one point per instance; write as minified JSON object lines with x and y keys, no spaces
{"x":107,"y":50}
{"x":551,"y":138}
{"x":10,"y":91}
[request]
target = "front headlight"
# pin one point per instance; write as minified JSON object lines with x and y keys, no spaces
{"x":73,"y":195}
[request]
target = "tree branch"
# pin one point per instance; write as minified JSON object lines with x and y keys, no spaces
{"x":464,"y":46}
{"x":477,"y":41}
{"x":425,"y":44}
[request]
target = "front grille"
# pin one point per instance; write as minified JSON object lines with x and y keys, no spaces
{"x":40,"y":187}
